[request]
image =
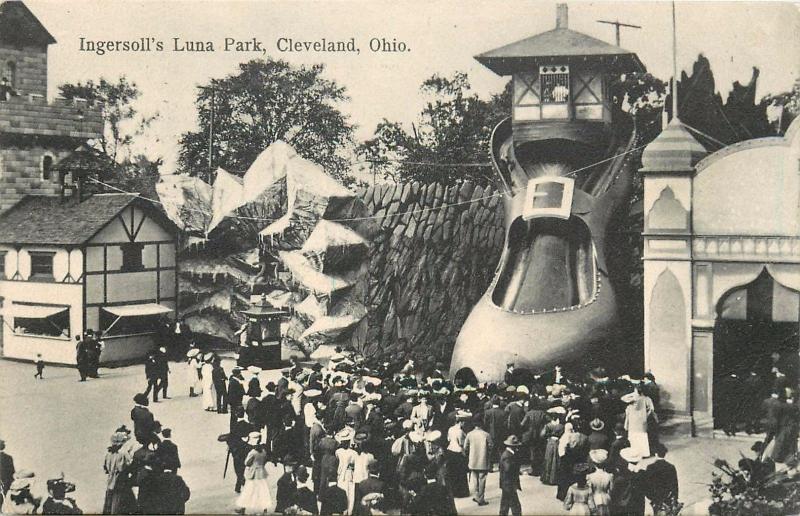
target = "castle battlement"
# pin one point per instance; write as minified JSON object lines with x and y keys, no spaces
{"x":33,"y":115}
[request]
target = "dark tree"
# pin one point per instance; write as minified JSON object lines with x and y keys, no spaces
{"x":264,"y":102}
{"x":122,"y":121}
{"x":452,"y":129}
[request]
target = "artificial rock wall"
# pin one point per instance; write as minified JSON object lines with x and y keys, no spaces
{"x":428,"y":264}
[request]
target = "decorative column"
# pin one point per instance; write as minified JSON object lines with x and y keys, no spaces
{"x":668,"y":166}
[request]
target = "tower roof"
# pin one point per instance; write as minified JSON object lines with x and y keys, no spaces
{"x":674,"y":150}
{"x":19,"y":26}
{"x":562,"y":45}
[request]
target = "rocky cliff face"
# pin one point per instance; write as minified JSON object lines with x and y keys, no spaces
{"x":428,"y":264}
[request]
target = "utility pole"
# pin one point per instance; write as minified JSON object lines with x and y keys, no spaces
{"x":211,"y":138}
{"x":617,"y":24}
{"x":210,"y":130}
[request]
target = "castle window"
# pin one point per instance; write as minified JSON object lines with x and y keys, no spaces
{"x":41,"y":264}
{"x":132,"y":256}
{"x":10,"y":73}
{"x":47,"y":164}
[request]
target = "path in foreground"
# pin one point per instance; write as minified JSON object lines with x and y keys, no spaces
{"x":61,"y":424}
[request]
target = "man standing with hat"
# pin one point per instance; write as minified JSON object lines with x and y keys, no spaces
{"x":235,"y":390}
{"x":598,"y":439}
{"x":509,"y":478}
{"x":143,"y":420}
{"x":477,"y":447}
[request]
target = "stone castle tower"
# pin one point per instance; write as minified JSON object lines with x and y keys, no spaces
{"x":34,"y":134}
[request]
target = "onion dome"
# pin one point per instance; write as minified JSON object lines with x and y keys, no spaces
{"x":674,"y":150}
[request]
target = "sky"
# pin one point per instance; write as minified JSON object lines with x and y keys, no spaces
{"x":441,"y":37}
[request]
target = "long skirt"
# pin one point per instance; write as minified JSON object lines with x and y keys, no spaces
{"x":192,"y":379}
{"x":640,"y":443}
{"x":255,"y":497}
{"x":456,"y":467}
{"x":551,"y":462}
{"x":119,"y":501}
{"x":349,"y":487}
{"x":209,"y":395}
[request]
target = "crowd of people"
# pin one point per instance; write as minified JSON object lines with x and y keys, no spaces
{"x":356,"y":437}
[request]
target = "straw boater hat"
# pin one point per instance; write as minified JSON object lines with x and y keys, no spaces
{"x":598,"y":456}
{"x":512,"y":441}
{"x":433,"y":435}
{"x":344,"y":435}
{"x":371,"y":498}
{"x":254,"y":438}
{"x":597,"y":425}
{"x":463,"y":415}
{"x":630,"y":455}
{"x":192,"y":353}
{"x":630,"y":397}
{"x":523,"y":390}
{"x":557,"y":410}
{"x":208,"y":357}
{"x":253,"y":369}
{"x":20,"y":483}
{"x":312,"y":393}
{"x":407,"y":424}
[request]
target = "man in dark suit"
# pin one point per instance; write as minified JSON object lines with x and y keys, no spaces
{"x":509,"y":478}
{"x":333,"y":499}
{"x":6,"y":468}
{"x":173,"y":492}
{"x":434,"y":498}
{"x":372,"y":484}
{"x":235,"y":391}
{"x":162,"y":366}
{"x":143,"y":420}
{"x":494,"y":422}
{"x":287,"y":488}
{"x":660,"y":481}
{"x":532,"y":424}
{"x":152,"y":373}
{"x":618,"y":443}
{"x":167,"y":451}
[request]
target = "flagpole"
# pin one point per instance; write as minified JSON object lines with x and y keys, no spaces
{"x":674,"y":65}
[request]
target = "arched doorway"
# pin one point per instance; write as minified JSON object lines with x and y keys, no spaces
{"x":755,"y":350}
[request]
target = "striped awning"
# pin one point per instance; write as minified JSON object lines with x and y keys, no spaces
{"x":674,"y":150}
{"x":37,"y":311}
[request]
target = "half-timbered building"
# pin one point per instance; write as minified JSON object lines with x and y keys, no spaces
{"x":105,"y":263}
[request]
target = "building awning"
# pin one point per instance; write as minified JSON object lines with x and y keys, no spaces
{"x":138,"y":310}
{"x":37,"y":311}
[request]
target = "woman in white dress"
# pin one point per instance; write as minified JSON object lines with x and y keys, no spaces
{"x":255,"y":497}
{"x":639,"y":409}
{"x":347,"y":464}
{"x":209,"y":393}
{"x":193,"y":364}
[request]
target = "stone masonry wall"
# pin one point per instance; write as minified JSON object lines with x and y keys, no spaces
{"x":21,"y":173}
{"x":31,"y":68}
{"x":428,"y":264}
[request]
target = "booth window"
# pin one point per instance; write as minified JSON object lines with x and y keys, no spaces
{"x":132,"y":319}
{"x":2,"y":265}
{"x":555,"y":84}
{"x":41,"y":264}
{"x":132,"y":256}
{"x":41,"y":320}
